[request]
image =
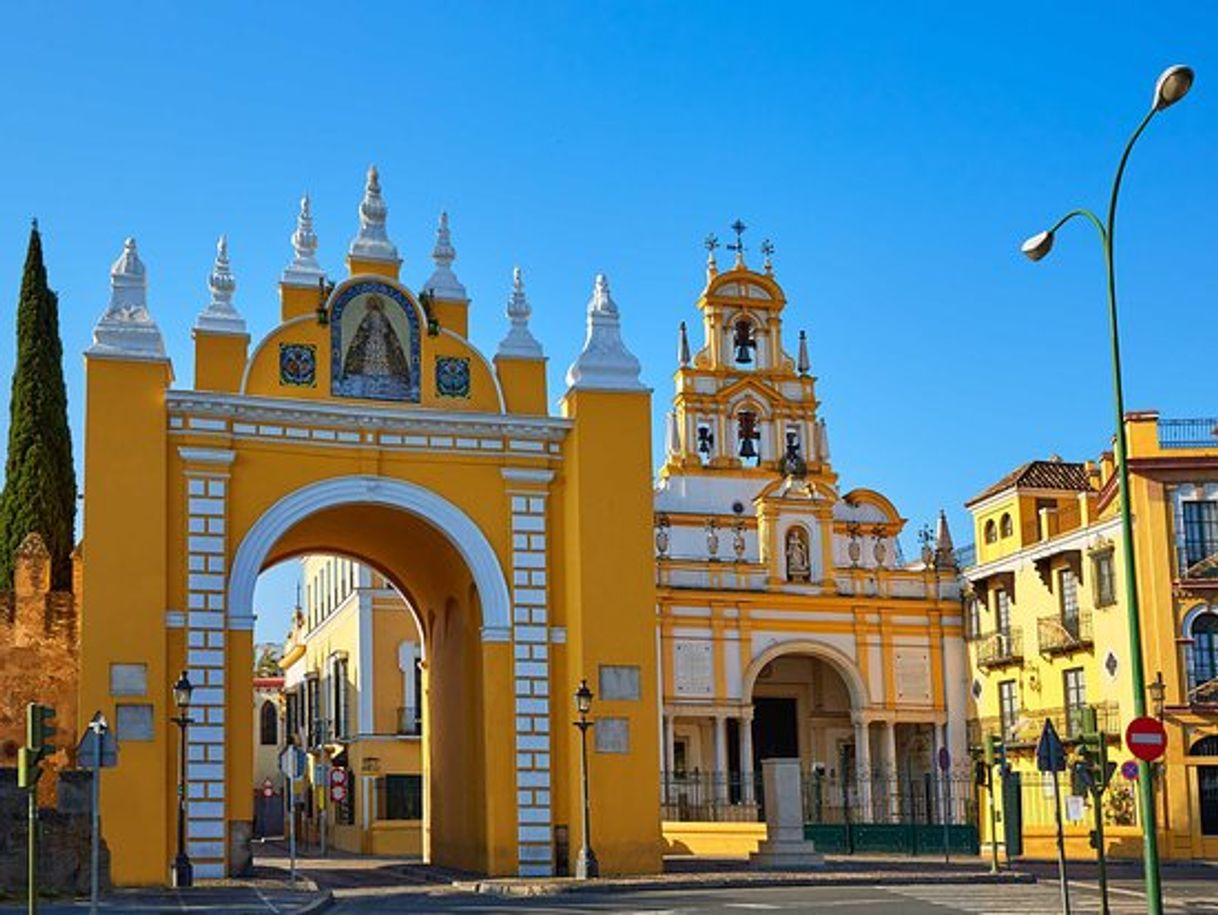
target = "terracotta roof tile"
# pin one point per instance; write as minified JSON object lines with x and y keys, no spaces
{"x":1056,"y":474}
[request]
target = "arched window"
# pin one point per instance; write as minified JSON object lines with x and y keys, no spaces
{"x":269,"y":724}
{"x":1005,"y":527}
{"x":991,"y":531}
{"x":1205,"y":649}
{"x":1206,"y":746}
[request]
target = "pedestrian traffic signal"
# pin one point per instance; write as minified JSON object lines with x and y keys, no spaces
{"x":38,"y":733}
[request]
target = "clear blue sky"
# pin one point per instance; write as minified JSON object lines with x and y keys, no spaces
{"x":895,"y":155}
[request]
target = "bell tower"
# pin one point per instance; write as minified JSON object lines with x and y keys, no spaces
{"x":742,"y":401}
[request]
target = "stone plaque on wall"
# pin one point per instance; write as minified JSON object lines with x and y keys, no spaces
{"x":612,"y":735}
{"x":693,"y":670}
{"x":911,"y":668}
{"x":128,"y":679}
{"x":133,"y":722}
{"x":619,"y":681}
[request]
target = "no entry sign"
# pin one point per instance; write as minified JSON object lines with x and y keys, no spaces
{"x":1146,"y":738}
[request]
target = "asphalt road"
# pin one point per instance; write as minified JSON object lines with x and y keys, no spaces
{"x":1190,"y":898}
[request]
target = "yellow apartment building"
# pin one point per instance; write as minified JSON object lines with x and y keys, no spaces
{"x":1047,"y":632}
{"x":353,"y":700}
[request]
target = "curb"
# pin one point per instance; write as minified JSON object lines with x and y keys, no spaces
{"x":556,"y":888}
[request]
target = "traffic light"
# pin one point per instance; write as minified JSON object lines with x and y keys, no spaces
{"x":995,"y":751}
{"x":1092,"y":770}
{"x":38,"y":733}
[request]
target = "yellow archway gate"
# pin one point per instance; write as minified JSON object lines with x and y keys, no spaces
{"x":366,"y":421}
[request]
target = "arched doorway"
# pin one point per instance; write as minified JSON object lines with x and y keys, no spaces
{"x":393,"y":528}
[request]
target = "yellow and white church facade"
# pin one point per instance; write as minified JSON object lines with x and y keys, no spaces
{"x":366,"y":425}
{"x":789,"y":624}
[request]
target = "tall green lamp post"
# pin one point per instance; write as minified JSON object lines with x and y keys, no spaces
{"x":1172,"y":86}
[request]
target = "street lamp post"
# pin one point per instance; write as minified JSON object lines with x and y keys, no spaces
{"x":182,"y":870}
{"x":585,"y":865}
{"x":1173,"y":84}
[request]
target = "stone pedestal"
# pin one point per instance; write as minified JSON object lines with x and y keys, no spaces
{"x":785,"y":847}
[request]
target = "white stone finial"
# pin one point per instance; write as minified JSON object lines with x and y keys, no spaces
{"x":605,"y":363}
{"x":519,"y":342}
{"x":126,"y":328}
{"x":220,"y":316}
{"x":822,"y":441}
{"x":444,"y":283}
{"x":304,"y":270}
{"x":804,"y":365}
{"x":672,"y":438}
{"x":683,"y":347}
{"x":372,"y":243}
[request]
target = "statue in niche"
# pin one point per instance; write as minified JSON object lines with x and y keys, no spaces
{"x":712,"y":539}
{"x":793,"y":464}
{"x":799,"y":565}
{"x":662,"y":536}
{"x":738,"y":544}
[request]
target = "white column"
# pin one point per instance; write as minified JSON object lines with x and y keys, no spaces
{"x":721,"y":773}
{"x":670,"y":744}
{"x":746,"y":757}
{"x":892,"y":778}
{"x":862,"y":764}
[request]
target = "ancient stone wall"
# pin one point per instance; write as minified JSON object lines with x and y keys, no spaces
{"x":39,"y":659}
{"x":63,"y":854}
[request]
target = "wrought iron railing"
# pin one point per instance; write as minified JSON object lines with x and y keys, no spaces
{"x":410,"y":720}
{"x":876,"y":797}
{"x":1058,"y":634}
{"x":1201,"y":432}
{"x":1024,"y":729}
{"x":1000,"y":648}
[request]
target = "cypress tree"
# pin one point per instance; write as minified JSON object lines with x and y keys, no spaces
{"x":40,"y":478}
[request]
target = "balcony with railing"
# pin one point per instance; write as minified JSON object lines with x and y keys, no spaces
{"x":1199,"y":432}
{"x":1024,"y":729}
{"x":1059,"y":635}
{"x":1002,"y":648}
{"x":409,"y":721}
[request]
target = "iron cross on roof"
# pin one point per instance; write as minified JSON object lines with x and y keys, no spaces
{"x":738,"y":246}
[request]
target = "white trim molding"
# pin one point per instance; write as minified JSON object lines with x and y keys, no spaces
{"x":465,"y":536}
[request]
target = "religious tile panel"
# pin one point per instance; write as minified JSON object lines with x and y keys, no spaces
{"x":374,"y":343}
{"x":452,"y":376}
{"x":298,"y":364}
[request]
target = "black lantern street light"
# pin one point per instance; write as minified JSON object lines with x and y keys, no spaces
{"x":585,"y":864}
{"x":182,"y":870}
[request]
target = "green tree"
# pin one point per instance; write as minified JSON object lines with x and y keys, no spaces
{"x":39,"y":476}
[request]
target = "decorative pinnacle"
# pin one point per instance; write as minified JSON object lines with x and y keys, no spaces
{"x":711,"y":243}
{"x":220,"y":315}
{"x":372,"y":242}
{"x":804,"y":364}
{"x":126,"y":329}
{"x":519,"y":341}
{"x":304,"y":270}
{"x":683,"y":347}
{"x":443,"y":283}
{"x":601,"y":300}
{"x":604,"y":362}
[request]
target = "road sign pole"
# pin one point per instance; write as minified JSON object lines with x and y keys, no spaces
{"x":32,"y":851}
{"x":1061,"y":844}
{"x":292,"y":827}
{"x":94,"y":844}
{"x":945,"y":814}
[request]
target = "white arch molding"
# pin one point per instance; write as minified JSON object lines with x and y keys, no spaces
{"x":447,"y":518}
{"x":838,"y":660}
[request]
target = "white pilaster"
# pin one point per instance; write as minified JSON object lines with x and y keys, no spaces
{"x":527,"y":492}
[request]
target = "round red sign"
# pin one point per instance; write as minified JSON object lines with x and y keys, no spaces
{"x":338,"y":776}
{"x":1146,"y":738}
{"x":338,"y":793}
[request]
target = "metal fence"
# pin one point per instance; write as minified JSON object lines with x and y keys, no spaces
{"x":1120,"y":804}
{"x":926,"y":798}
{"x":1188,"y":433}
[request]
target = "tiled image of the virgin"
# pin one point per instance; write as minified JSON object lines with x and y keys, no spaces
{"x":374,"y":334}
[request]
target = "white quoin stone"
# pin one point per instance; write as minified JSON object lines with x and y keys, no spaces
{"x":304,"y":270}
{"x":372,"y":243}
{"x":220,"y":316}
{"x":443,"y":283}
{"x":519,"y":342}
{"x":605,"y":363}
{"x":126,"y":328}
